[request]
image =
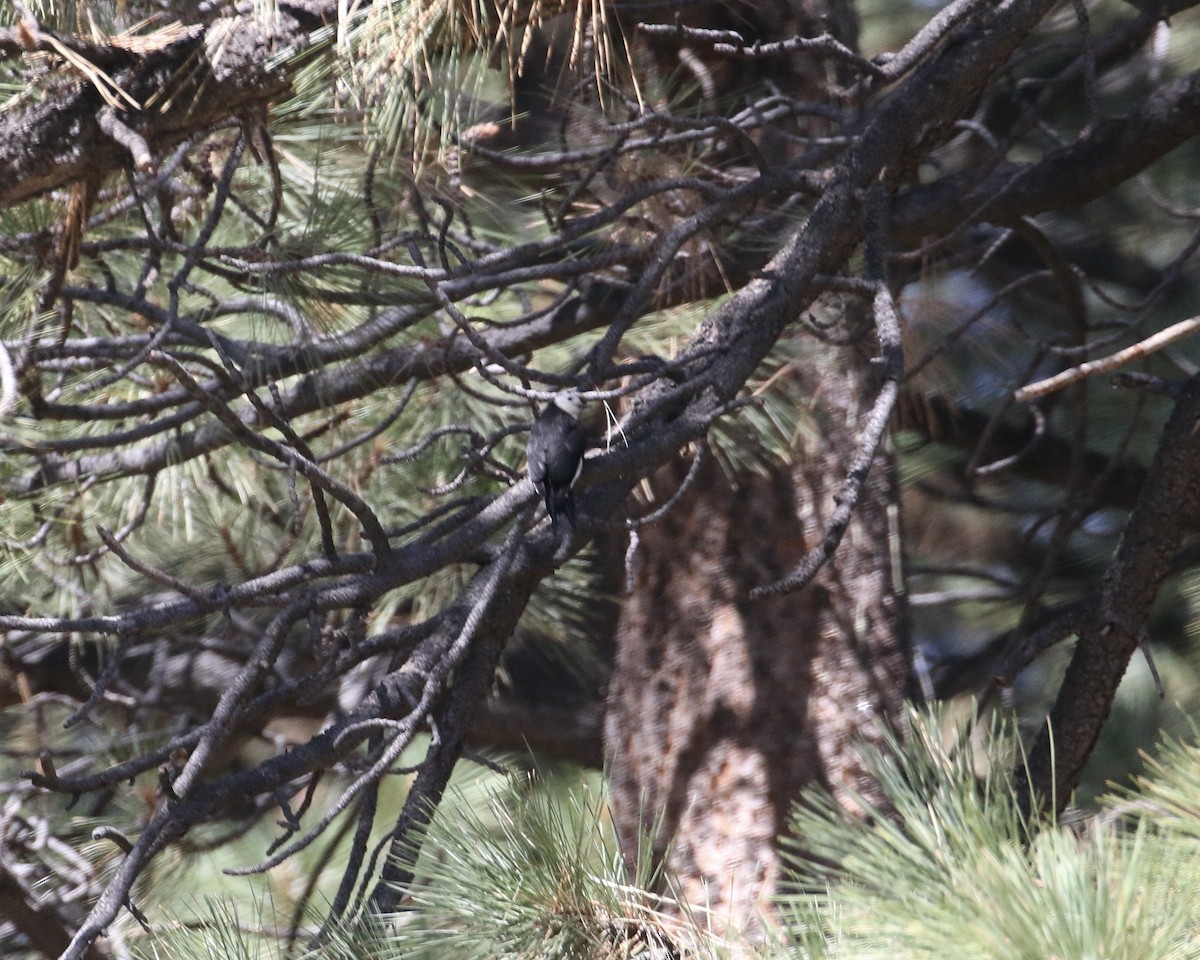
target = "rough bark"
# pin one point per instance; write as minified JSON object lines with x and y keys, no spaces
{"x":722,"y":710}
{"x":1166,"y":509}
{"x":861,"y":643}
{"x":707,"y":734}
{"x":711,"y":685}
{"x":165,"y":87}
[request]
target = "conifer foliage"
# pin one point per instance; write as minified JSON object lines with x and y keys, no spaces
{"x":282,"y":283}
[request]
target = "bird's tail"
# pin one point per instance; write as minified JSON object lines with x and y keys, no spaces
{"x":561,"y":507}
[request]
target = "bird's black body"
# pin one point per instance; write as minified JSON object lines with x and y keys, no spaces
{"x":555,"y":455}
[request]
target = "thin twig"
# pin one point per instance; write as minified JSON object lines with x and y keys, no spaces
{"x":1091,"y":368}
{"x":127,"y":137}
{"x":875,"y":424}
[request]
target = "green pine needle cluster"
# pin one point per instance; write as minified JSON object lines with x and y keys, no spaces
{"x":549,"y":871}
{"x":529,"y":869}
{"x":949,"y":864}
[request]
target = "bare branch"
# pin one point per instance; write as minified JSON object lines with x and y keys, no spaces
{"x":875,"y":423}
{"x":385,"y":367}
{"x":1113,"y":628}
{"x":1091,"y":368}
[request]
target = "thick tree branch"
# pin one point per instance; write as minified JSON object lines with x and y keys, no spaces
{"x":873,"y":428}
{"x":203,"y":76}
{"x":1169,"y":503}
{"x":323,"y":388}
{"x":1117,"y":484}
{"x":45,"y":929}
{"x":1112,"y":153}
{"x":607,"y":266}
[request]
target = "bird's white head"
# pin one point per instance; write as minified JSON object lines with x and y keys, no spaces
{"x":569,"y":402}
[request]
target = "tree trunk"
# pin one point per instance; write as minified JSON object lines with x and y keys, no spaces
{"x":722,"y":710}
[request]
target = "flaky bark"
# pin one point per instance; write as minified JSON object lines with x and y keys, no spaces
{"x":710,"y":709}
{"x":722,"y":709}
{"x":861,"y":646}
{"x":707,"y":731}
{"x":165,"y":88}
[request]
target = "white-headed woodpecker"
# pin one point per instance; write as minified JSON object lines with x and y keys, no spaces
{"x":555,"y":454}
